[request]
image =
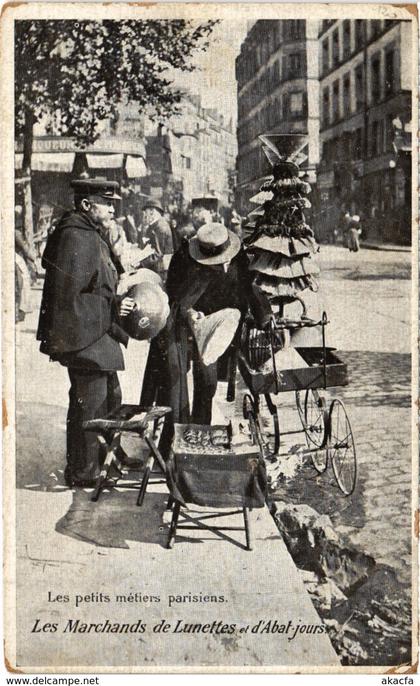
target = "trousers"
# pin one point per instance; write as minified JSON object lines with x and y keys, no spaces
{"x":204,"y":389}
{"x":92,"y":394}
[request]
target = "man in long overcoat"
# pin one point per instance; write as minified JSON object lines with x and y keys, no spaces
{"x":159,"y":234}
{"x":207,"y":274}
{"x":79,"y":323}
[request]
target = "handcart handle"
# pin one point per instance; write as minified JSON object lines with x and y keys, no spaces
{"x":284,"y":323}
{"x":274,"y":328}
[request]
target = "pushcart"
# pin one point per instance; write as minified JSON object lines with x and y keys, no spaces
{"x":325,"y":423}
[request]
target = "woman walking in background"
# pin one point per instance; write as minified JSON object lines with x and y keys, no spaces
{"x":353,"y":232}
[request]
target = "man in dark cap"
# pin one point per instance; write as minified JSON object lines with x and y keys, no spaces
{"x":79,"y":319}
{"x":159,"y":234}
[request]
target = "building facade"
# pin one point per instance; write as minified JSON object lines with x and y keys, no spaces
{"x":192,"y":155}
{"x":278,"y":91}
{"x":365,"y":108}
{"x":119,"y":154}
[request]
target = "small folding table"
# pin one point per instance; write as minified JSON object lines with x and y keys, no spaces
{"x":145,"y":422}
{"x":205,"y":469}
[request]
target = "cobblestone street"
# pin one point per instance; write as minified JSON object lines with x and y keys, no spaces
{"x":375,"y":315}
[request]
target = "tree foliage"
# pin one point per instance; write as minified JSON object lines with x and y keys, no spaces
{"x":79,"y":71}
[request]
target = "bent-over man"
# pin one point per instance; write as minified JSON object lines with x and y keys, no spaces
{"x":209,"y":274}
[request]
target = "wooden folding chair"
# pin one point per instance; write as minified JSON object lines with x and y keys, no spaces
{"x":204,"y":469}
{"x":176,"y":512}
{"x":109,"y":431}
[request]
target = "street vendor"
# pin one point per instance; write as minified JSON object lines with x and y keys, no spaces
{"x":208,"y":282}
{"x":79,"y":323}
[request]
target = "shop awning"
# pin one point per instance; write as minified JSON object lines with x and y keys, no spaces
{"x":114,"y":161}
{"x":49,"y":161}
{"x":135,"y":167}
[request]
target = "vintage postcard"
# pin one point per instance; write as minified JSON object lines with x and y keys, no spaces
{"x":209,"y":278}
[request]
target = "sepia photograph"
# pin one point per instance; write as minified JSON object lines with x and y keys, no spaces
{"x":210,"y":305}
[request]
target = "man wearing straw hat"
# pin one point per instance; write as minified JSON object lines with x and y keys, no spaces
{"x":210,"y":289}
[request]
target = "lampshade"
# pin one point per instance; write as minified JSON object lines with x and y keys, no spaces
{"x":285,"y":145}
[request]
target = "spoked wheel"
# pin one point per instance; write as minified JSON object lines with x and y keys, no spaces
{"x":300,"y":408}
{"x":275,"y":432}
{"x":314,"y":417}
{"x":342,"y":448}
{"x":251,"y":412}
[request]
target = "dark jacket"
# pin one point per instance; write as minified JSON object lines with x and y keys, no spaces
{"x":180,"y":233}
{"x":79,"y":321}
{"x":160,"y":235}
{"x":207,"y":289}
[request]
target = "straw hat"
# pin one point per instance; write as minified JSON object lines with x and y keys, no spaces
{"x":214,"y":244}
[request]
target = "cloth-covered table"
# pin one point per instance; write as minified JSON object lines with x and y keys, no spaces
{"x":204,"y":469}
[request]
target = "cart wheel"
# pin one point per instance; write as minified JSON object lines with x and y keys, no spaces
{"x":342,"y":448}
{"x":251,"y":413}
{"x":299,"y":406}
{"x":314,"y":417}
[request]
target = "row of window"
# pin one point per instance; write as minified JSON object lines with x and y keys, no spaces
{"x":349,"y":37}
{"x":269,"y":36}
{"x":344,"y":147}
{"x":289,"y":106}
{"x":292,"y":66}
{"x":348,"y":94}
{"x":350,"y":146}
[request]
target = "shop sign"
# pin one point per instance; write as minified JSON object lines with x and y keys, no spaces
{"x":133,"y":146}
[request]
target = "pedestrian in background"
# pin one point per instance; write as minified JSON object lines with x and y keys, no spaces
{"x":180,"y":262}
{"x":157,"y":232}
{"x":199,"y":216}
{"x":79,"y":322}
{"x":236,"y":224}
{"x":353,"y":233}
{"x":25,"y":269}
